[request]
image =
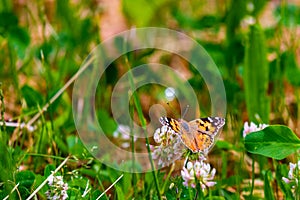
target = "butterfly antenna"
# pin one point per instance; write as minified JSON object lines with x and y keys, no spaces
{"x":185,"y":111}
{"x":176,"y":114}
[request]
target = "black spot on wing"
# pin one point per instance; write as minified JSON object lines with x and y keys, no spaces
{"x":164,"y":121}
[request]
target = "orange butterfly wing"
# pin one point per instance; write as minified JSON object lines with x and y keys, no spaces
{"x":197,"y":135}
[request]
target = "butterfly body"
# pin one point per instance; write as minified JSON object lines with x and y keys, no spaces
{"x":198,"y":135}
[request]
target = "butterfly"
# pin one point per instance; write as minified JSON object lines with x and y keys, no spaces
{"x":198,"y":135}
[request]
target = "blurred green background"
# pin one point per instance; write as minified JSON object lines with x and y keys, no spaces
{"x":43,"y":43}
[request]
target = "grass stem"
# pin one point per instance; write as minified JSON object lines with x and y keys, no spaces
{"x":253,"y":178}
{"x":143,"y":124}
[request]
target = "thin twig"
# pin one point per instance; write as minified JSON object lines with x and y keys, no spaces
{"x":45,"y":107}
{"x":16,"y":186}
{"x":110,"y":187}
{"x":87,"y":189}
{"x":17,"y":125}
{"x":45,"y":181}
{"x":70,"y":81}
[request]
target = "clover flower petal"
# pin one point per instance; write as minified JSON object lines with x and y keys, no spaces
{"x":198,"y":172}
{"x":293,"y":176}
{"x":252,"y":127}
{"x":170,"y":146}
{"x":58,"y":188}
{"x":122,"y":133}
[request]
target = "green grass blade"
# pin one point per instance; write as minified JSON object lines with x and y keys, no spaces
{"x":269,"y":194}
{"x":256,"y":76}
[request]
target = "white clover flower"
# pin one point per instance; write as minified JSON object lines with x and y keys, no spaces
{"x":50,"y":180}
{"x":286,"y":180}
{"x":252,"y":128}
{"x":157,"y":136}
{"x":170,"y":146}
{"x":123,"y":134}
{"x":58,"y":189}
{"x":293,"y":177}
{"x":250,"y":7}
{"x":292,"y":169}
{"x":198,"y":172}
